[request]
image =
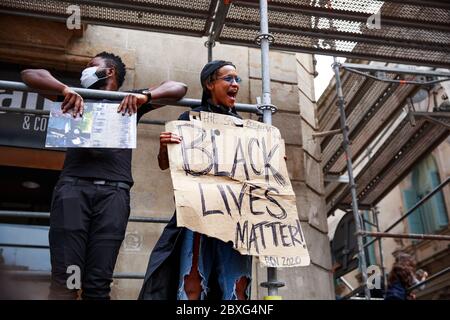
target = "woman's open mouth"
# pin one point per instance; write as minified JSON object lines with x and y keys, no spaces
{"x":232,"y":95}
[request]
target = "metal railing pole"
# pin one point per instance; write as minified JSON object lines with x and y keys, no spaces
{"x":406,"y":236}
{"x":272,"y":288}
{"x":346,"y":146}
{"x":210,"y":50}
{"x":265,"y":66}
{"x":113,"y":96}
{"x":434,"y":276}
{"x":411,"y":210}
{"x":375,"y":213}
{"x":46,"y":215}
{"x":45,"y":275}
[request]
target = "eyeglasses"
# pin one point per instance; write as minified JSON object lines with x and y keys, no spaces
{"x":230,"y":79}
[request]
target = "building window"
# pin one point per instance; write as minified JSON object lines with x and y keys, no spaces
{"x":432,"y":215}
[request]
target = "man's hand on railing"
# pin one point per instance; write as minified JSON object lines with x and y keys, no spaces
{"x":73,"y":102}
{"x":131,"y":103}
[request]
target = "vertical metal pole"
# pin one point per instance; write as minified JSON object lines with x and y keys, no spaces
{"x":380,"y":245}
{"x":265,"y":67}
{"x":210,"y":50}
{"x":267,"y":113}
{"x":345,"y":144}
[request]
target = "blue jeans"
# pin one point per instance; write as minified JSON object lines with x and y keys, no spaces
{"x":228,"y":263}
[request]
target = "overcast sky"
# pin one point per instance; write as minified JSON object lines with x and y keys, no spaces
{"x":325,"y":71}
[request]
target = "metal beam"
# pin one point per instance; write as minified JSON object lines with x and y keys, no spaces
{"x":411,"y":210}
{"x":272,"y":283}
{"x":23,"y":110}
{"x":429,"y":279}
{"x":346,"y":146}
{"x":350,"y":15}
{"x":396,"y":70}
{"x":337,"y":178}
{"x":46,"y":215}
{"x":326,"y":133}
{"x":153,"y":8}
{"x":375,"y":214}
{"x":333,"y":35}
{"x":31,"y":274}
{"x":424,"y":3}
{"x":133,"y":26}
{"x":405,"y":236}
{"x":46,"y":113}
{"x":117,"y":96}
{"x":219,"y":16}
{"x":26,"y":246}
{"x":340,"y":53}
{"x":355,"y":291}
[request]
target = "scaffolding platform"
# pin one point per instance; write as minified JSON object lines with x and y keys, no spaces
{"x":399,"y":31}
{"x":394,"y":159}
{"x":405,"y":31}
{"x":370,"y":106}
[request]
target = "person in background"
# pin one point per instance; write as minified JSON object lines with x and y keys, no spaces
{"x":402,"y":276}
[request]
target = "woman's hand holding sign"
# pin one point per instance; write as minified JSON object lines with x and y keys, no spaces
{"x":164,"y":139}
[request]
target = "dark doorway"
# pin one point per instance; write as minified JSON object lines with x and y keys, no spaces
{"x":26,"y":189}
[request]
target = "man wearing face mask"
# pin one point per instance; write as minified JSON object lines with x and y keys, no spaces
{"x":91,"y":201}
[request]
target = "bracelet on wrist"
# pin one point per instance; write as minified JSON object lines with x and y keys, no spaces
{"x":148,"y":94}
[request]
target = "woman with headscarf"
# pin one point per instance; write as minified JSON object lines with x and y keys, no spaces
{"x":187,"y":265}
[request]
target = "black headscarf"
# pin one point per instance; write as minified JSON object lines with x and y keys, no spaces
{"x":207,"y":71}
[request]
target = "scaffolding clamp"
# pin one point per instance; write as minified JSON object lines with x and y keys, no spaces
{"x":266,"y":106}
{"x":271,"y":107}
{"x":266,"y":36}
{"x":337,"y":64}
{"x":210,"y":43}
{"x":272,"y":284}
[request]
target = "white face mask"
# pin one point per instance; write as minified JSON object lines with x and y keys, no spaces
{"x":89,"y":77}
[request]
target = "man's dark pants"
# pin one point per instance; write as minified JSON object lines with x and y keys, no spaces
{"x":87,"y":225}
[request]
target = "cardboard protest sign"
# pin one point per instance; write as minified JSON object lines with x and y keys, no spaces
{"x":230,"y":182}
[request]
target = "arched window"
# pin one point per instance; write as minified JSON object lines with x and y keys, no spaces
{"x":432,"y":215}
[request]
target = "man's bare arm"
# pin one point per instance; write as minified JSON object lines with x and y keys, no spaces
{"x":171,"y":90}
{"x":41,"y":79}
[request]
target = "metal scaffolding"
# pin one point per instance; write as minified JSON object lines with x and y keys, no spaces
{"x":264,"y":39}
{"x":405,"y":31}
{"x":344,"y":130}
{"x":418,"y":32}
{"x":348,"y":156}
